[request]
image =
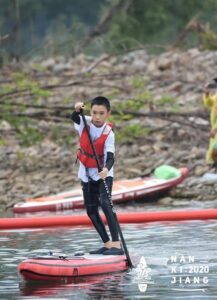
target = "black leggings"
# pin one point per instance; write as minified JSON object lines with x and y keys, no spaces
{"x":94,"y":196}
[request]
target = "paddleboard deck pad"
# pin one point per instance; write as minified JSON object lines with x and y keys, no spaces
{"x":61,"y":267}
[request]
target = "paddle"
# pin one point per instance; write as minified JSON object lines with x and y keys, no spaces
{"x":107,"y":192}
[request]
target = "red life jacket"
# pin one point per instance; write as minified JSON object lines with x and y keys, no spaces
{"x":85,"y":152}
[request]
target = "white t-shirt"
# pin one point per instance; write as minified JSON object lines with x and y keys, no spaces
{"x":95,"y":133}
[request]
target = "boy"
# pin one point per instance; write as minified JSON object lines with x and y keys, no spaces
{"x":91,"y":180}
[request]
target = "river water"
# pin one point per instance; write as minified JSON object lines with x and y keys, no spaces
{"x":181,"y":260}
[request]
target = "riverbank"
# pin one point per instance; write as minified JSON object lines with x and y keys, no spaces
{"x":157,"y":111}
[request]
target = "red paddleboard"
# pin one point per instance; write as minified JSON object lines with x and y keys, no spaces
{"x":56,"y":268}
{"x":123,"y":191}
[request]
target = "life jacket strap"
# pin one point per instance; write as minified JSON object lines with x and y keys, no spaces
{"x":89,"y":155}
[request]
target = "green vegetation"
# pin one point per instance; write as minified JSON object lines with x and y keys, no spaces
{"x":138,"y":82}
{"x":56,"y":134}
{"x":129,"y":133}
{"x":2,"y":141}
{"x":126,"y":131}
{"x":24,"y":82}
{"x":29,"y":136}
{"x":45,"y":27}
{"x":25,"y":128}
{"x":209,"y":40}
{"x":143,"y":99}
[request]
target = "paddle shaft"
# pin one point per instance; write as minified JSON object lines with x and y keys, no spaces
{"x":107,"y":192}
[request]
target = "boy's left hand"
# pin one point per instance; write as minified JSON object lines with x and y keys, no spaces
{"x":103,"y":173}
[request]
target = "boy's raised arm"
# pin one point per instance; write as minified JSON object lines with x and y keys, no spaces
{"x":75,"y":115}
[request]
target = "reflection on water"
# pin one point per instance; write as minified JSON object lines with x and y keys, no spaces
{"x":181,"y":259}
{"x":92,"y":286}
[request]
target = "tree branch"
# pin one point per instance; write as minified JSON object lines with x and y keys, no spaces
{"x":103,"y":25}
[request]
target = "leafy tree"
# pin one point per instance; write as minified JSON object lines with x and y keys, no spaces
{"x":30,"y":27}
{"x":28,"y":22}
{"x":157,"y":22}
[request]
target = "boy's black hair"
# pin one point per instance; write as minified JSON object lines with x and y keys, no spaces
{"x":101,"y":101}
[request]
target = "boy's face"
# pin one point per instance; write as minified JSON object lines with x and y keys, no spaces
{"x":99,"y":114}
